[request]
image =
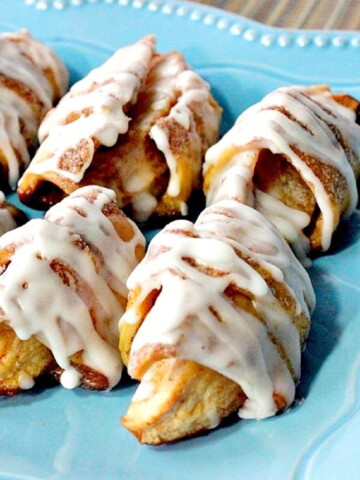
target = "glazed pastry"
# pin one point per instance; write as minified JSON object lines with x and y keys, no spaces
{"x":154,"y":162}
{"x":91,"y":115}
{"x":294,"y":156}
{"x":32,"y":79}
{"x":62,"y":292}
{"x":217,"y":315}
{"x":158,"y":163}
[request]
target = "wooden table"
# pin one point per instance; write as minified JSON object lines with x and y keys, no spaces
{"x":308,"y":14}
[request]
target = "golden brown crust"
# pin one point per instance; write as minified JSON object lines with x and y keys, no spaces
{"x":275,"y":175}
{"x":181,"y":398}
{"x":128,"y":330}
{"x":18,"y":358}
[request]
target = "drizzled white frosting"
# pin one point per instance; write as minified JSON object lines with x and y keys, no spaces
{"x":308,"y":126}
{"x":174,"y":95}
{"x":82,"y":311}
{"x":192,"y":89}
{"x":240,"y":346}
{"x":174,"y":119}
{"x":25,"y":60}
{"x":99,"y":101}
{"x":25,"y":381}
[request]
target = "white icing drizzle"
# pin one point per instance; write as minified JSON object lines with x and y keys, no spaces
{"x":99,"y":101}
{"x":74,"y":212}
{"x":235,"y":180}
{"x":240,"y":346}
{"x":262,"y":126}
{"x":289,"y":221}
{"x":171,"y":98}
{"x":23,"y":59}
{"x":171,"y":110}
{"x":42,"y":56}
{"x":26,"y":381}
{"x":161,"y":92}
{"x":192,"y":89}
{"x":82,"y":313}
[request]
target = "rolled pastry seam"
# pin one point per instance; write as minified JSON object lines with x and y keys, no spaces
{"x":154,"y":162}
{"x":158,"y":162}
{"x":295,"y":157}
{"x":183,"y":134}
{"x":63,"y":290}
{"x":227,"y":294}
{"x":32,"y":79}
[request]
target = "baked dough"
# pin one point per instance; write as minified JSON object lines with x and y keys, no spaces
{"x":139,"y":124}
{"x":32,"y":79}
{"x":217,"y":315}
{"x":62,"y":291}
{"x":294,"y":156}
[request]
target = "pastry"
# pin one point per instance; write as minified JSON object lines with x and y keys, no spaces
{"x":294,"y":156}
{"x":139,"y":124}
{"x":217,"y":316}
{"x":62,"y":291}
{"x":32,"y":79}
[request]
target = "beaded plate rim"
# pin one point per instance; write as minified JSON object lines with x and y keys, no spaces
{"x":233,"y":24}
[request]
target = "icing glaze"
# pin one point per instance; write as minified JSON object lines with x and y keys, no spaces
{"x":311,"y":124}
{"x":26,"y":62}
{"x":25,"y":381}
{"x":65,"y":282}
{"x":193,"y":315}
{"x":192,"y":89}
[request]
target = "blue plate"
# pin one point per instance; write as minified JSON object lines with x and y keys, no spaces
{"x":59,"y":434}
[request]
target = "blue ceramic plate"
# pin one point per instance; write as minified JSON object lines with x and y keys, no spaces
{"x":59,"y":434}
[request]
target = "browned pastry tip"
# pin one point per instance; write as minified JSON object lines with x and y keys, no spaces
{"x":180,"y":398}
{"x":20,"y":361}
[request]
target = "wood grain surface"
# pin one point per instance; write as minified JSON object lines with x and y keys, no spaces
{"x":307,"y":14}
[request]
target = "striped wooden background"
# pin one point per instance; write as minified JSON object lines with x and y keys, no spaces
{"x":308,"y":14}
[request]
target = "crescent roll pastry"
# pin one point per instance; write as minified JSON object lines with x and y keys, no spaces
{"x":62,"y":292}
{"x":294,"y":156}
{"x":158,"y":163}
{"x":217,"y":315}
{"x":154,"y":162}
{"x":32,"y":79}
{"x":92,"y":114}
